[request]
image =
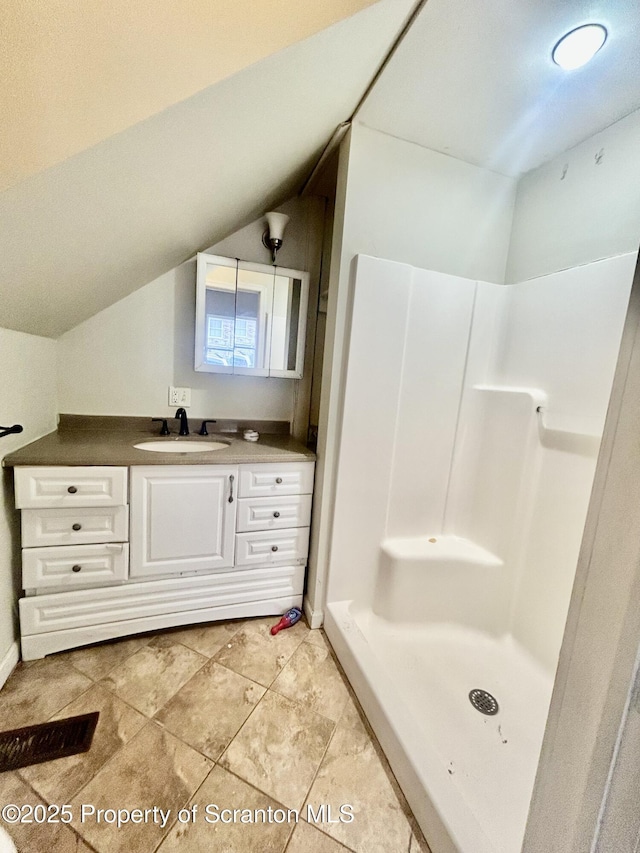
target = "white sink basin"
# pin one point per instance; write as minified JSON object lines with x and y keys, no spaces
{"x":177,"y":446}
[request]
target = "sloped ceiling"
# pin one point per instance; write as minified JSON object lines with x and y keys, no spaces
{"x":74,"y":73}
{"x":476,"y":80}
{"x":86,"y":232}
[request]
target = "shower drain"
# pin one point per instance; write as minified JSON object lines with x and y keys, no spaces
{"x":484,"y":702}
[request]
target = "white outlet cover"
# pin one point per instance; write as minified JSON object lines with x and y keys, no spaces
{"x":179,"y":396}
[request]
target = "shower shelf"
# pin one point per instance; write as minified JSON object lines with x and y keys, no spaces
{"x":560,"y":439}
{"x":570,"y":441}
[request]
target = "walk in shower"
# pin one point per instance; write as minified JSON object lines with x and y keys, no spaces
{"x":470,"y":428}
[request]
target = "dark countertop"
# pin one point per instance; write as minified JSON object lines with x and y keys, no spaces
{"x":106,"y":445}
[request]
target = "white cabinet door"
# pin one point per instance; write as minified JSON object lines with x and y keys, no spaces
{"x":182,"y":518}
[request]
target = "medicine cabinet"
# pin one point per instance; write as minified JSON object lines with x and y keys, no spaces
{"x":250,"y":318}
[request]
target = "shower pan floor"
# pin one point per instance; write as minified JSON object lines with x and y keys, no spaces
{"x":487,"y":764}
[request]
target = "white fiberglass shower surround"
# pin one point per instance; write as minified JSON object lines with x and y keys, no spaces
{"x":470,"y":431}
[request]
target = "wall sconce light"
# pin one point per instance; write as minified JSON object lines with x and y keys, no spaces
{"x":272,"y":237}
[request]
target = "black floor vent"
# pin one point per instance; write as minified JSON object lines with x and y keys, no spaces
{"x":34,"y":744}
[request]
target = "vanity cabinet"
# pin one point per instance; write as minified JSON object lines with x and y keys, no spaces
{"x":183,"y":518}
{"x":207,"y":542}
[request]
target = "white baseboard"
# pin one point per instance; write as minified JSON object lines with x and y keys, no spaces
{"x":315,"y":618}
{"x":9,"y":661}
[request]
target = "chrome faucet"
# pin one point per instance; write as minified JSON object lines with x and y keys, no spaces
{"x":184,"y":423}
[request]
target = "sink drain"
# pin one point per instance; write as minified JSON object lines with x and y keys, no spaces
{"x":484,"y":702}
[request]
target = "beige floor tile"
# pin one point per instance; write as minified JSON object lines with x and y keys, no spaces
{"x":34,"y":837}
{"x":351,"y":715}
{"x":153,"y":769}
{"x":206,"y":639}
{"x":256,"y":654}
{"x":317,"y":637}
{"x":98,"y":661}
{"x":208,"y":711}
{"x":57,"y":781}
{"x":352,"y":773}
{"x":33,"y":693}
{"x":150,"y":677}
{"x":311,"y":677}
{"x":279,"y":748}
{"x":229,"y":792}
{"x":306,"y":839}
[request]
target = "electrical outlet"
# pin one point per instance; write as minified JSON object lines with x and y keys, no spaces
{"x":179,"y":396}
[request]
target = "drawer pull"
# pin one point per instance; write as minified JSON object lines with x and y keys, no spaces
{"x":278,"y":480}
{"x":274,"y":547}
{"x":72,"y":490}
{"x":276,"y":514}
{"x":231,"y":479}
{"x":76,"y":568}
{"x":76,"y":526}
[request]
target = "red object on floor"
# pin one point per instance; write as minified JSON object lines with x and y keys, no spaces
{"x":290,"y":618}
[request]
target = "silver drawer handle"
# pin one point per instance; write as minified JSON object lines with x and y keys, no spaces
{"x":276,"y":514}
{"x":76,"y":526}
{"x":72,"y":490}
{"x":76,"y":568}
{"x":278,"y":480}
{"x":274,"y":547}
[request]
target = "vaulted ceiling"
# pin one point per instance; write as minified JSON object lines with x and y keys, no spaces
{"x":135,"y":134}
{"x":476,"y":80}
{"x":75,"y":73}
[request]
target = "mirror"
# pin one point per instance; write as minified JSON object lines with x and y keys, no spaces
{"x":250,"y":318}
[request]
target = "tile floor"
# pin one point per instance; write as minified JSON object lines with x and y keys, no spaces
{"x":220,"y":715}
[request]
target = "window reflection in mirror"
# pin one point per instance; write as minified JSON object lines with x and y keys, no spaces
{"x":250,"y":318}
{"x":220,"y":312}
{"x":254,"y":298}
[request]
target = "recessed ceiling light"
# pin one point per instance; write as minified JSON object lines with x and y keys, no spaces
{"x":576,"y":48}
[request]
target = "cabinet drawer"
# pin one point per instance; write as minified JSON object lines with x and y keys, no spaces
{"x":74,"y":565}
{"x":273,"y":513}
{"x":272,"y":547}
{"x":267,"y":479}
{"x":74,"y":526}
{"x":42,"y":487}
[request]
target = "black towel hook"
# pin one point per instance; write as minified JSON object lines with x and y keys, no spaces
{"x":8,"y":430}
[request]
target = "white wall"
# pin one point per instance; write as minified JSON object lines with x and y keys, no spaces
{"x":122,"y":360}
{"x":437,"y":327}
{"x":407,"y":351}
{"x":562,"y":334}
{"x":28,"y":370}
{"x":398,"y":201}
{"x":402,"y":202}
{"x":409,"y":204}
{"x":581,"y":206}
